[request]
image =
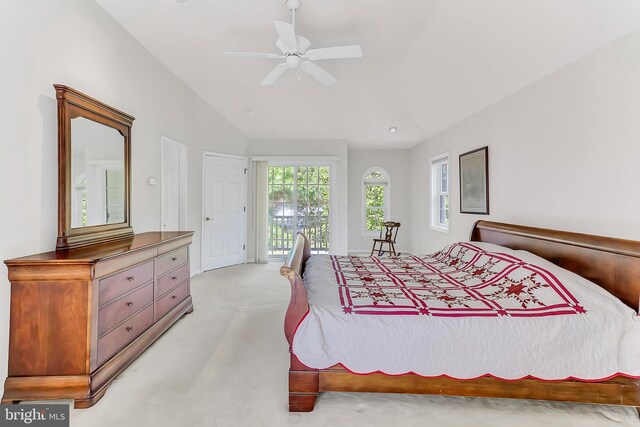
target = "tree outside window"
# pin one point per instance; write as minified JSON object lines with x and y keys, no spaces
{"x":375,"y":199}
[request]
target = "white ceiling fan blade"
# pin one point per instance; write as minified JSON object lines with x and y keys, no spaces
{"x":287,"y":34}
{"x":252,"y":55}
{"x":318,"y":73}
{"x":303,"y":44}
{"x":274,"y":74}
{"x":341,"y":52}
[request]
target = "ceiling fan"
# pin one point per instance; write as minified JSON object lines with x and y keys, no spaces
{"x":295,"y":50}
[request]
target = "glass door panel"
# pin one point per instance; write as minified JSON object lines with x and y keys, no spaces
{"x":299,"y":199}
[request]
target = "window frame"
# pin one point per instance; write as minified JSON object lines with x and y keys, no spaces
{"x":384,"y":181}
{"x":332,"y":217}
{"x":436,"y":164}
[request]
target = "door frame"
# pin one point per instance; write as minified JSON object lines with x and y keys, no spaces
{"x":202,"y":212}
{"x":184,"y":178}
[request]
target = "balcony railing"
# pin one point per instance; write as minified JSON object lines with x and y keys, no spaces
{"x":282,"y":231}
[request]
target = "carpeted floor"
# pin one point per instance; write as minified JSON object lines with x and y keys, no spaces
{"x":226,"y":365}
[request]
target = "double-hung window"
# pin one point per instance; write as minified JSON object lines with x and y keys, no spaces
{"x":440,"y":207}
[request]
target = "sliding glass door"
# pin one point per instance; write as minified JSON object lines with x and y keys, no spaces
{"x":299,"y":200}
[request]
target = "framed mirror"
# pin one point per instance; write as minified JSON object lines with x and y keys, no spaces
{"x":94,"y":170}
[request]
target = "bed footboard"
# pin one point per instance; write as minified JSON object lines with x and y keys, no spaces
{"x":303,"y":382}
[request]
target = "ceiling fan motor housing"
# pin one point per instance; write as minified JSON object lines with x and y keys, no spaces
{"x":293,"y":5}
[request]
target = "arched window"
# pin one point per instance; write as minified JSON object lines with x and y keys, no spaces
{"x":376,"y":196}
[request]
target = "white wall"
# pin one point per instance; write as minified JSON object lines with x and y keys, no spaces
{"x":397,"y":163}
{"x":564,"y":152}
{"x":75,"y":42}
{"x":311,"y":148}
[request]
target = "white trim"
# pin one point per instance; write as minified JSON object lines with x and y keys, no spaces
{"x":184,"y":178}
{"x":228,"y":156}
{"x":387,"y":199}
{"x":333,"y":202}
{"x":202,"y":212}
{"x":195,"y":273}
{"x":441,"y":157}
{"x":440,"y":229}
{"x":290,"y":160}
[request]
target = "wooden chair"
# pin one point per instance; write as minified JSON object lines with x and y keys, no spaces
{"x":390,"y":229}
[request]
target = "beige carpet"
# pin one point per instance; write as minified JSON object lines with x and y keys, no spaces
{"x":226,"y":365}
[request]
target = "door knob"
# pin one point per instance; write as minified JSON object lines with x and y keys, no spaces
{"x":208,"y":219}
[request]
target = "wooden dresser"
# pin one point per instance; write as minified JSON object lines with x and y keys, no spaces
{"x":79,"y":317}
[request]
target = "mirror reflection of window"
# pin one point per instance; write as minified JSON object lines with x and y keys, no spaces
{"x":114,"y":208}
{"x":97,"y":163}
{"x":80,"y":202}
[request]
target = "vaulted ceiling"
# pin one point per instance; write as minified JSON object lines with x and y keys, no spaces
{"x":428,"y":64}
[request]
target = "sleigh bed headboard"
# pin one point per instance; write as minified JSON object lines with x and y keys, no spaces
{"x":613,"y":264}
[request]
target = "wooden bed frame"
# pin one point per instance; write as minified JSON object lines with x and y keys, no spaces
{"x":613,"y":264}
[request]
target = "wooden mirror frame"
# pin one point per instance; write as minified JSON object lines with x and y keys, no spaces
{"x":73,"y":104}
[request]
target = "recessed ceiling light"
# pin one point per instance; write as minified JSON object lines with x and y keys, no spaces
{"x":179,"y":1}
{"x":393,"y":129}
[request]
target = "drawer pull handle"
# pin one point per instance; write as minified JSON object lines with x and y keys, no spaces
{"x":174,"y":278}
{"x":173,"y":297}
{"x":129,"y":328}
{"x":129,"y":303}
{"x":174,"y":259}
{"x":131,"y":278}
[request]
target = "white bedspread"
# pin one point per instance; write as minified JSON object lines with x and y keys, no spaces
{"x":603,"y":342}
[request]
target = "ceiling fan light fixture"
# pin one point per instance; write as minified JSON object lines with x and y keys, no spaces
{"x":293,"y":61}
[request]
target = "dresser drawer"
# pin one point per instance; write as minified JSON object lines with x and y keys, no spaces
{"x":172,"y":299}
{"x":172,"y":279}
{"x":118,"y":310}
{"x":124,"y":334}
{"x":120,"y":283}
{"x":171,"y":260}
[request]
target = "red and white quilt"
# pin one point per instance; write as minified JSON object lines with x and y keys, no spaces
{"x":472,"y":309}
{"x":461,"y":280}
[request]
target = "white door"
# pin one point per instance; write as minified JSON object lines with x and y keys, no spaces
{"x":224,"y":211}
{"x":174,"y":185}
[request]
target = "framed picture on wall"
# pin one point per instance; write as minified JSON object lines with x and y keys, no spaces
{"x":474,"y":182}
